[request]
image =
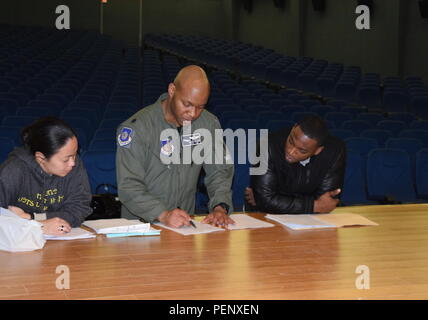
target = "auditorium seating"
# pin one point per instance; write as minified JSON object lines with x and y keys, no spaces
{"x":101,"y":168}
{"x":95,"y":83}
{"x":389,"y":176}
{"x":422,"y":173}
{"x":355,"y":186}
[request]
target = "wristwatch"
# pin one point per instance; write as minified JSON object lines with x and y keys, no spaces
{"x":223,"y":205}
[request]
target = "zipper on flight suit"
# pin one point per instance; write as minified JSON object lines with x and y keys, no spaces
{"x":178,"y":198}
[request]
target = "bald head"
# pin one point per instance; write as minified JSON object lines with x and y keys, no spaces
{"x":188,"y":95}
{"x":192,"y":77}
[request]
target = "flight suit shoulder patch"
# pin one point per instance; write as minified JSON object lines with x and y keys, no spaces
{"x":125,"y":136}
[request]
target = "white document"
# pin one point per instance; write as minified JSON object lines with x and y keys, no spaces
{"x":104,"y":226}
{"x":316,"y":221}
{"x":243,"y":221}
{"x":151,"y":232}
{"x":188,"y":230}
{"x":299,"y":221}
{"x":74,"y":234}
{"x":345,"y":219}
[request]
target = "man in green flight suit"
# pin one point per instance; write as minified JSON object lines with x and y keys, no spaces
{"x":150,"y":187}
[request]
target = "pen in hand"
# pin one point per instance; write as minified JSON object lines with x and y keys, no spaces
{"x":190,"y":221}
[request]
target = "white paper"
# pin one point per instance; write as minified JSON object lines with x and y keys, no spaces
{"x":189,"y":230}
{"x":104,"y":226}
{"x":74,"y":234}
{"x":7,"y":213}
{"x":151,"y":232}
{"x":243,"y":221}
{"x":316,"y":221}
{"x":345,"y":219}
{"x":19,"y":234}
{"x":299,"y":221}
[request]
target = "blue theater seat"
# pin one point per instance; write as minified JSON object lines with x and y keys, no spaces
{"x":265,"y":116}
{"x":81,"y":122}
{"x":6,"y":146}
{"x":380,"y":135}
{"x":274,"y":125}
{"x":110,"y":124}
{"x":422,"y":135}
{"x":395,"y":101}
{"x":354,"y":189}
{"x":34,"y":112}
{"x":321,"y":110}
{"x":298,"y":116}
{"x":90,"y":114}
{"x":289,"y":110}
{"x":389,"y":175}
{"x":338,"y":117}
{"x":17,"y":121}
{"x":103,"y":144}
{"x":9,"y":106}
{"x":55,"y":106}
{"x":410,"y":145}
{"x":371,"y":117}
{"x":101,"y":134}
{"x":357,"y":126}
{"x":422,"y":173}
{"x":241,"y":180}
{"x":342,"y":133}
{"x":235,"y":124}
{"x":101,"y":168}
{"x":420,"y":106}
{"x":419,"y":125}
{"x":369,"y":95}
{"x":232,"y":115}
{"x":355,"y":111}
{"x":395,"y":126}
{"x":407,"y":117}
{"x":361,"y":145}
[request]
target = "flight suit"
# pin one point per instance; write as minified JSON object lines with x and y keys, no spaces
{"x":148,"y":184}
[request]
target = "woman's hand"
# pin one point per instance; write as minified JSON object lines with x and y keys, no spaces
{"x":55,"y":226}
{"x":19,"y":212}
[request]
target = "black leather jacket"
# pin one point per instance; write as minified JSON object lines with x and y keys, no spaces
{"x":292,"y":188}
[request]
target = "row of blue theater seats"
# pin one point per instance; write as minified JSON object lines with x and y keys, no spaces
{"x":94,"y":135}
{"x":382,"y":174}
{"x":318,"y":76}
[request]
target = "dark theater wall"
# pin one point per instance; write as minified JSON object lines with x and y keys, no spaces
{"x":332,"y":35}
{"x":121,"y":18}
{"x":83,"y":14}
{"x":415,"y":44}
{"x":395,"y":45}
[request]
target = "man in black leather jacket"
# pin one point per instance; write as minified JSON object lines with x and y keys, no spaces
{"x":305,"y":171}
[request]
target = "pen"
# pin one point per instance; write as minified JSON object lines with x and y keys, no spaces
{"x":190,"y":221}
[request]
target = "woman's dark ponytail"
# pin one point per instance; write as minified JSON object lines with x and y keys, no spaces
{"x":47,"y":135}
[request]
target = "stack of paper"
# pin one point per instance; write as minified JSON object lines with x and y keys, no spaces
{"x":106,"y":226}
{"x":299,"y":222}
{"x":74,"y":234}
{"x":151,"y":232}
{"x":315,"y":221}
{"x":243,"y":221}
{"x":188,"y":230}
